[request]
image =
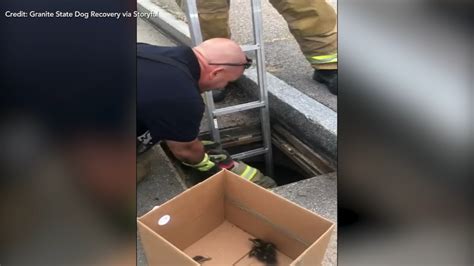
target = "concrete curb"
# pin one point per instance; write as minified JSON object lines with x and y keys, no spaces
{"x":316,"y":124}
{"x":306,"y":118}
{"x":166,"y":21}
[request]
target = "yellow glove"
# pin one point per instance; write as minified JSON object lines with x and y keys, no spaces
{"x":204,"y":166}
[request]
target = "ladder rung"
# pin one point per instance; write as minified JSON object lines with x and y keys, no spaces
{"x":251,"y":153}
{"x":249,"y":47}
{"x":238,"y":108}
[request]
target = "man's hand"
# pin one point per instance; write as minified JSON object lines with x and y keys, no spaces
{"x":193,"y":154}
{"x":221,"y":158}
{"x":205,"y":165}
{"x":218,"y":155}
{"x":205,"y":168}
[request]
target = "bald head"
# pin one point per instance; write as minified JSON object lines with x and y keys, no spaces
{"x":219,"y":51}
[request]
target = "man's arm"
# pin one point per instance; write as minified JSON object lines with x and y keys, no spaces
{"x":191,"y":152}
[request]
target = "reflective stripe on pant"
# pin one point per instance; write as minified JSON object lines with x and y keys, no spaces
{"x":323,"y":61}
{"x":313,"y":24}
{"x":249,"y":173}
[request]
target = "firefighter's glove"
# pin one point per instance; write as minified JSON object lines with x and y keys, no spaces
{"x":221,"y":158}
{"x":205,"y":165}
{"x":218,"y":155}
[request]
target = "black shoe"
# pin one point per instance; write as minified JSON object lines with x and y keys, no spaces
{"x":328,"y":78}
{"x":219,"y":95}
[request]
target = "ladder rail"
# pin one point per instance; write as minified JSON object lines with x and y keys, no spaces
{"x":265,"y":111}
{"x":193,"y":22}
{"x":196,"y":37}
{"x":250,"y":153}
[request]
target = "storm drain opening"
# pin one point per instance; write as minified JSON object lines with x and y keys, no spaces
{"x":293,"y":160}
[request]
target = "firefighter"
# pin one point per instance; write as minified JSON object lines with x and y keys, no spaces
{"x":170,"y":108}
{"x":311,"y":22}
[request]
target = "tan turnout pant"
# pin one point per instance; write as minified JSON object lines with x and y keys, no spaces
{"x":311,"y":22}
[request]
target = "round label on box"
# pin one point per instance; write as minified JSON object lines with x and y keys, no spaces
{"x":164,"y":219}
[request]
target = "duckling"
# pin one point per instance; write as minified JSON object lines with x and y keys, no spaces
{"x":201,"y":259}
{"x":263,"y":251}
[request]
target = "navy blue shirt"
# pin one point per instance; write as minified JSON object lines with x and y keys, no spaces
{"x":169,"y":103}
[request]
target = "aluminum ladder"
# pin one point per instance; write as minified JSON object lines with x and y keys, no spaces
{"x":262,"y":103}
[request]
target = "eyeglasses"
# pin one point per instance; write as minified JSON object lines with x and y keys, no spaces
{"x":245,"y":65}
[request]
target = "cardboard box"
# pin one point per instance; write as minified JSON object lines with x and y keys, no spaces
{"x":216,"y":218}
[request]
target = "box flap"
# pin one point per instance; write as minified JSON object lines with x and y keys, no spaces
{"x":275,"y":213}
{"x":159,"y":251}
{"x":314,"y":255}
{"x":191,"y":215}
